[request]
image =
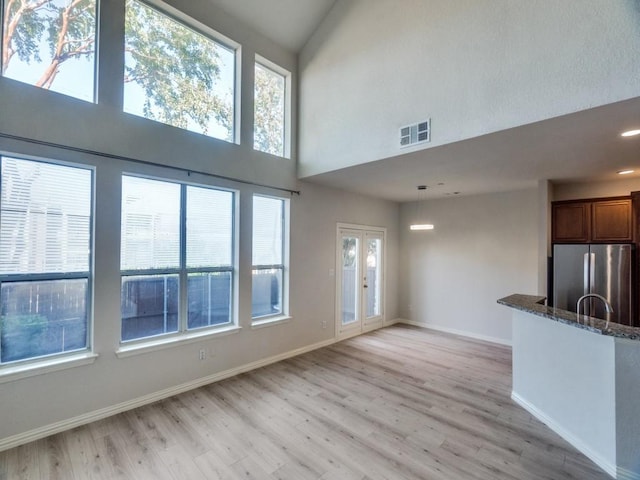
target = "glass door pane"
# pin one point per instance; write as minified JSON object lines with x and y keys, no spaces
{"x":373,"y":277}
{"x":350,"y":275}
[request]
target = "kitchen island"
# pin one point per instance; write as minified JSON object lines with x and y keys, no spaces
{"x":581,"y":377}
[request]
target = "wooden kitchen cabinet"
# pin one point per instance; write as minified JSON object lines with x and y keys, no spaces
{"x":592,"y":221}
{"x":571,"y":222}
{"x":611,"y":221}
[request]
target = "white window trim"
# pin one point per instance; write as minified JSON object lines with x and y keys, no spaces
{"x":50,"y":364}
{"x":287,"y":101}
{"x":164,"y":342}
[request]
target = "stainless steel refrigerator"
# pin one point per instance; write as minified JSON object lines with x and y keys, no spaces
{"x":602,"y":269}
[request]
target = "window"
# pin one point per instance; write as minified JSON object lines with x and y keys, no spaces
{"x":177,"y":257}
{"x":176,"y":75}
{"x":269,"y":110}
{"x":51,"y":45}
{"x":269,"y":274}
{"x":45,"y":266}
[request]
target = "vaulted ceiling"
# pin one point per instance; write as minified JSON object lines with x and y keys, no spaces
{"x":583,"y":146}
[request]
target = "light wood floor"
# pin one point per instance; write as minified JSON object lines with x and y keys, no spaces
{"x":399,"y":403}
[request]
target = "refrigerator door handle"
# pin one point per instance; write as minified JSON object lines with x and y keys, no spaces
{"x":592,"y":273}
{"x":585,"y":281}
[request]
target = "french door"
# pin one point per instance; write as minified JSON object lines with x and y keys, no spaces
{"x":360,"y":280}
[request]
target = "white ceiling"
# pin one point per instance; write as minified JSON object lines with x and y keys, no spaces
{"x":584,"y":146}
{"x":289,"y":23}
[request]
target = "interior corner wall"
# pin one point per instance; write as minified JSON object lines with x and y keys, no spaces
{"x":483,"y":248}
{"x":472,"y":66}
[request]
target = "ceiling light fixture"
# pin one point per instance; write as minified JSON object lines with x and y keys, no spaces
{"x":630,"y":133}
{"x":419,"y":224}
{"x":625,"y":172}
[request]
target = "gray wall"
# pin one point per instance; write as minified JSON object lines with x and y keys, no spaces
{"x":483,"y":247}
{"x":473,"y":66}
{"x":36,"y":402}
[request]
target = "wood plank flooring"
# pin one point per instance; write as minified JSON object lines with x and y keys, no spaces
{"x":400,"y":403}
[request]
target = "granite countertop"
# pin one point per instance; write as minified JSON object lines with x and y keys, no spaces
{"x":535,"y":305}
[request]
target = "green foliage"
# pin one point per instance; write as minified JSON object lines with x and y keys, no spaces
{"x":177,"y":68}
{"x":268,"y":134}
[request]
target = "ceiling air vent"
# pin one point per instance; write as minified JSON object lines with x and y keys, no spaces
{"x":416,"y":133}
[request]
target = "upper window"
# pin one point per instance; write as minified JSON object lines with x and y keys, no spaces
{"x":268,"y":292}
{"x":177,"y":257}
{"x":269,"y":110}
{"x":51,"y":44}
{"x":45,"y":266}
{"x":176,"y":75}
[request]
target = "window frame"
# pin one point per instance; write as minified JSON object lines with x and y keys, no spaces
{"x":66,"y":359}
{"x":183,"y":331}
{"x":286,"y":120}
{"x":226,"y":42}
{"x":284,"y":314}
{"x":96,"y":58}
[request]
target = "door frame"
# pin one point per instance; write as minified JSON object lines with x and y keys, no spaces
{"x":363,"y":325}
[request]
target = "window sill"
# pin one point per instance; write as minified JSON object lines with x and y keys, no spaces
{"x":17,"y":372}
{"x":184,"y":339}
{"x":267,"y":322}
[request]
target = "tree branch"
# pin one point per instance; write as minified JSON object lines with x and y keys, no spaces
{"x":51,"y":71}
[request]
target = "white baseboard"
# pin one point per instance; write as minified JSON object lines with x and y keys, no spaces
{"x":388,"y":323}
{"x":624,"y":474}
{"x":462,"y":333}
{"x":595,"y":457}
{"x":52,"y":429}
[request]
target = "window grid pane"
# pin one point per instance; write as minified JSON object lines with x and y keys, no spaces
{"x":149,"y":305}
{"x":268,"y":214}
{"x":269,"y":111}
{"x":45,"y":217}
{"x":41,"y":53}
{"x":192,"y":87}
{"x":150,"y":228}
{"x":209,"y":227}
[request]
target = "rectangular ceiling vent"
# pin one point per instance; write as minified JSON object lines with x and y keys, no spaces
{"x":416,"y":133}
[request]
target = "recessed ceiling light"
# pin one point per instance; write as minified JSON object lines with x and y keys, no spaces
{"x":630,"y":133}
{"x":625,"y":172}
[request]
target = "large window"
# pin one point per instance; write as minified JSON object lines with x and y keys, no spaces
{"x":269,"y":257}
{"x":51,"y":44}
{"x":177,"y":257}
{"x":176,"y":75}
{"x":45,"y":266}
{"x":269,"y":110}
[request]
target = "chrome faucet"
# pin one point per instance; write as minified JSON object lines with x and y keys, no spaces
{"x":607,"y":306}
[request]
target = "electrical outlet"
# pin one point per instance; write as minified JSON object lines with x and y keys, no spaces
{"x":324,"y":324}
{"x":202,"y":354}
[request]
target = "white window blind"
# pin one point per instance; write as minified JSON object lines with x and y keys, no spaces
{"x":45,"y":218}
{"x":150,"y":229}
{"x":268,"y":216}
{"x":209,"y":227}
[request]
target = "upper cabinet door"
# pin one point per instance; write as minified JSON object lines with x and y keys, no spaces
{"x":611,"y":221}
{"x":571,"y":222}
